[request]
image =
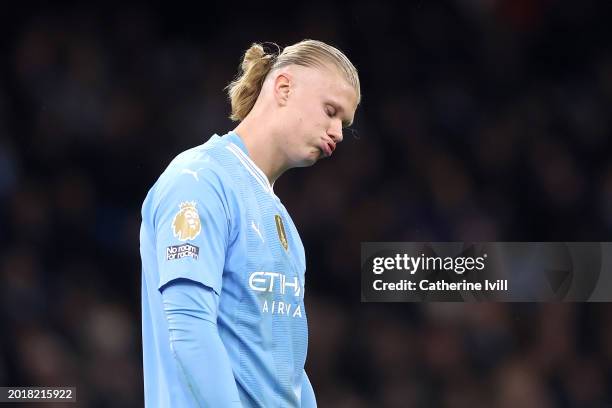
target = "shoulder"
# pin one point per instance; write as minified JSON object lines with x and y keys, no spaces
{"x":193,"y":173}
{"x":195,"y":167}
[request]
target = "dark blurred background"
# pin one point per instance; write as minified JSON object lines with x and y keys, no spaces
{"x":481,"y":120}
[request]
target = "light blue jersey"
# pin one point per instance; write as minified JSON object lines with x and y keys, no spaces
{"x":213,"y":218}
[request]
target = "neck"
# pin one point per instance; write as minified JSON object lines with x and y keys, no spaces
{"x":262,"y":146}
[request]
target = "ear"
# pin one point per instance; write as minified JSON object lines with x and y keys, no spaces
{"x":282,"y":88}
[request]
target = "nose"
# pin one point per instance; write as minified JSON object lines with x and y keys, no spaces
{"x":335,"y":132}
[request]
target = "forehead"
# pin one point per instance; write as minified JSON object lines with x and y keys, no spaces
{"x":328,"y":82}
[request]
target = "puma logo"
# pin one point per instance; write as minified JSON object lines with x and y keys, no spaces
{"x":193,"y":173}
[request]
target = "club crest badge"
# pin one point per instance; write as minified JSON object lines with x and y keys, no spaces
{"x":280,"y":228}
{"x":186,"y":223}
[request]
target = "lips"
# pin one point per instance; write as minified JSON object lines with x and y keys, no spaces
{"x":327,"y":148}
{"x":332,"y":146}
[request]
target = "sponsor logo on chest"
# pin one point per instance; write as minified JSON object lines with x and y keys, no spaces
{"x":274,"y":282}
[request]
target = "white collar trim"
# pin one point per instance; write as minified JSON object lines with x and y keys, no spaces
{"x":251,"y":167}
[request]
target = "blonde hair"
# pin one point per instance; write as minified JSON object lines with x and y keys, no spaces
{"x":257,"y":64}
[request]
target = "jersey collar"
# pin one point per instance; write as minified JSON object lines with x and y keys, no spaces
{"x":233,"y":137}
{"x":243,"y":155}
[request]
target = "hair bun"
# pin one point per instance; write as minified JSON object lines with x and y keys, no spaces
{"x":255,"y":54}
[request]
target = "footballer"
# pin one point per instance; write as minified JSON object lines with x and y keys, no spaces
{"x":223,"y":266}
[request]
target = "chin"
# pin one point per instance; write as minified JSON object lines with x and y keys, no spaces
{"x":309,"y":159}
{"x":307,"y":162}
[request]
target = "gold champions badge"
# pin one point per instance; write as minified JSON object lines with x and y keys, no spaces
{"x":186,"y":223}
{"x":280,"y":228}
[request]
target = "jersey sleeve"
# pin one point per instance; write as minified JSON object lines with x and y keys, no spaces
{"x":201,"y":357}
{"x":192,"y":228}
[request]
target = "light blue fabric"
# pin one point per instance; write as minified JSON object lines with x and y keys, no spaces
{"x":308,"y":396}
{"x":213,"y":218}
{"x":203,"y":363}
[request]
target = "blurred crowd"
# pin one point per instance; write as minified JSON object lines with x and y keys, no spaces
{"x":481,"y":120}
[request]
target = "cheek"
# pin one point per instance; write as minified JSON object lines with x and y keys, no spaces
{"x":314,"y":117}
{"x":307,"y":119}
{"x":295,"y":126}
